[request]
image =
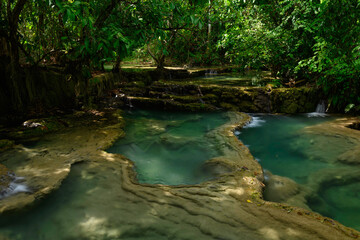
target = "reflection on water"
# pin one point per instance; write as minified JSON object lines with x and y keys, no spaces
{"x":285,"y":149}
{"x":169,"y":148}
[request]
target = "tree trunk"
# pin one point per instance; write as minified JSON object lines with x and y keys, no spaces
{"x":160,"y":62}
{"x":15,"y":76}
{"x":116,"y":67}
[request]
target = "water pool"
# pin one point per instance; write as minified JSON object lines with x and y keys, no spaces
{"x":285,"y":146}
{"x":93,"y":203}
{"x":169,"y":148}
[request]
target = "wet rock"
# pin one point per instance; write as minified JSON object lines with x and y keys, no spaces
{"x":217,"y":166}
{"x":6,"y":177}
{"x":278,"y":188}
{"x":6,"y":144}
{"x":351,"y":157}
{"x":225,"y":208}
{"x":32,"y":124}
{"x":49,"y":163}
{"x":355,"y":125}
{"x":175,"y":142}
{"x":334,"y":133}
{"x":284,"y":190}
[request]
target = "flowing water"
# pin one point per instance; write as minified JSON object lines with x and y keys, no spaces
{"x":282,"y":147}
{"x":158,"y":143}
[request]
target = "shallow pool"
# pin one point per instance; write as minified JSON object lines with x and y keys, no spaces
{"x":283,"y":146}
{"x":169,"y":148}
{"x":90,"y":204}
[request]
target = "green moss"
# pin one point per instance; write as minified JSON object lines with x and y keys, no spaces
{"x":185,"y":99}
{"x":228,"y":106}
{"x":247,"y":106}
{"x":5,"y":178}
{"x":138,"y":84}
{"x":211,"y":98}
{"x":290,"y":107}
{"x":6,"y":144}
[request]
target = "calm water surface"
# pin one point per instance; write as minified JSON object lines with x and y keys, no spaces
{"x":281,"y":146}
{"x":169,"y":148}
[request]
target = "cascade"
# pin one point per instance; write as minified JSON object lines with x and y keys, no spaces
{"x":321,"y":107}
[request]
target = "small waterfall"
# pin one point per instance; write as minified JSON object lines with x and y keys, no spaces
{"x":126,"y":99}
{"x":211,"y":72}
{"x":16,"y":186}
{"x":129,"y":103}
{"x":200,"y":95}
{"x":320,"y":110}
{"x":321,"y":107}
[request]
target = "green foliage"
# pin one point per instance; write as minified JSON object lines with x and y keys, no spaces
{"x":336,"y":51}
{"x":297,"y":39}
{"x":313,"y":40}
{"x":164,"y":22}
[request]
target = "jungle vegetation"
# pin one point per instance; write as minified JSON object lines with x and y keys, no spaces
{"x":317,"y":41}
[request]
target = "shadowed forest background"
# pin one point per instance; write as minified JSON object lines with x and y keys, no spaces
{"x":313,"y":42}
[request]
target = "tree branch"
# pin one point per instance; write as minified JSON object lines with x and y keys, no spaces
{"x":47,"y":54}
{"x":17,"y":10}
{"x":105,"y":13}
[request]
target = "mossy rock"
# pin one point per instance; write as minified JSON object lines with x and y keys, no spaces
{"x":230,"y":97}
{"x":118,"y":116}
{"x":6,"y":144}
{"x":6,"y":177}
{"x":211,"y":98}
{"x":228,"y":106}
{"x":355,"y":125}
{"x":247,"y":106}
{"x":185,"y":99}
{"x":38,"y":127}
{"x":215,"y":90}
{"x":138,"y":84}
{"x":290,"y":107}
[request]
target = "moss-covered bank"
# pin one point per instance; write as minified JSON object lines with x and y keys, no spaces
{"x":41,"y":90}
{"x":187,"y":96}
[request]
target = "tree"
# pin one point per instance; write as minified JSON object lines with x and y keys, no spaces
{"x":10,"y":19}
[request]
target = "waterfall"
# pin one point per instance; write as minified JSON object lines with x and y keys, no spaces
{"x":129,"y":103}
{"x":126,"y":99}
{"x":200,"y":95}
{"x":321,"y":107}
{"x":211,"y":72}
{"x":16,"y":186}
{"x":320,"y":110}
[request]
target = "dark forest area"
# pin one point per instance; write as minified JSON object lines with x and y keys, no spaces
{"x":314,"y":42}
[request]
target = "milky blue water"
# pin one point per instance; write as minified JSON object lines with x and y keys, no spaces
{"x":282,"y":146}
{"x":276,"y":142}
{"x":167,"y":147}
